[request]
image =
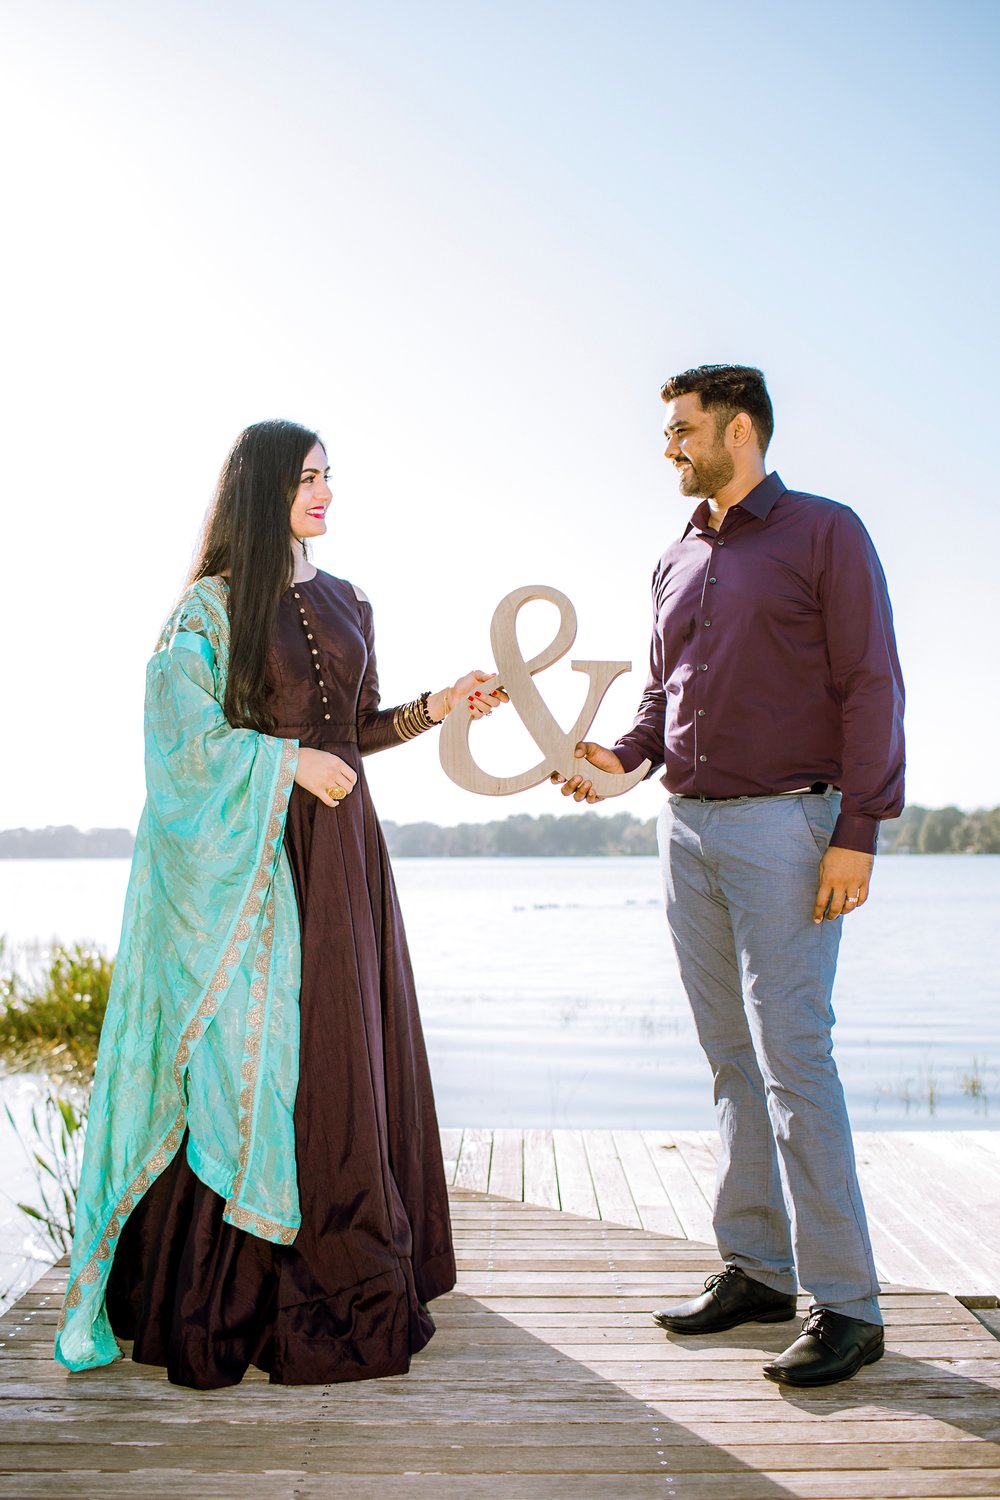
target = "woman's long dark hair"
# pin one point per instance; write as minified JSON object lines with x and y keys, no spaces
{"x":247,"y":536}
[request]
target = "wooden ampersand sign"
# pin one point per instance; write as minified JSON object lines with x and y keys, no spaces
{"x":516,"y":676}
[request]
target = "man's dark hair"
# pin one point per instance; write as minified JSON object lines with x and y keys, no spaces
{"x":727,"y":390}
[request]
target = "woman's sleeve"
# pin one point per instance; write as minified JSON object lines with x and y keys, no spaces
{"x":207,"y":781}
{"x":381,"y":728}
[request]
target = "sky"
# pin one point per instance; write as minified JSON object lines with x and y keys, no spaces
{"x":468,"y":242}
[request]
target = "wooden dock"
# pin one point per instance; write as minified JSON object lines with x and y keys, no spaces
{"x":547,"y":1380}
{"x":933,"y":1197}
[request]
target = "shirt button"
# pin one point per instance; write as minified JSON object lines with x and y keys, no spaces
{"x":708,"y":622}
{"x":701,"y":713}
{"x":722,"y":541}
{"x":703,"y":758}
{"x":315,"y":651}
{"x":703,"y":667}
{"x":711,"y":580}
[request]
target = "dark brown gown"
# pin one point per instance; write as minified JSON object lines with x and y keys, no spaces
{"x":347,"y":1300}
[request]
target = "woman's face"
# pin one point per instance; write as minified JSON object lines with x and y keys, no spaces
{"x":308,"y":514}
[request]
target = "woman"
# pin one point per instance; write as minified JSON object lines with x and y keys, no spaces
{"x":262,"y":1180}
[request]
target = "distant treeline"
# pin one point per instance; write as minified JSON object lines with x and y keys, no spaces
{"x":942,"y":830}
{"x":921,"y":830}
{"x":522,"y":834}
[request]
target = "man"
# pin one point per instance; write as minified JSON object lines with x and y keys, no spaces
{"x":774,"y":703}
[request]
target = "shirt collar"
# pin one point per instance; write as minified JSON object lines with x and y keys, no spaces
{"x":760,"y":502}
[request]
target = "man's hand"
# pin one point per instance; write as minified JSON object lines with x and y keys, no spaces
{"x":577,"y":787}
{"x":844,"y":876}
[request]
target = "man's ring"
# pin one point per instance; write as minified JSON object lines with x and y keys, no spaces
{"x":337,"y":792}
{"x":852,"y":901}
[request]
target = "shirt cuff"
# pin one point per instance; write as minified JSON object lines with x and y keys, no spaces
{"x":629,"y":755}
{"x":855,"y":831}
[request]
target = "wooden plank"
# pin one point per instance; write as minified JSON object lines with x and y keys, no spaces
{"x":951,"y":1205}
{"x":507,"y":1164}
{"x":902,"y":1211}
{"x":818,"y":1418}
{"x":656,"y":1212}
{"x":893,"y":1260}
{"x":541,"y":1184}
{"x":621,"y":1452}
{"x":797,"y":1428}
{"x":576,"y":1187}
{"x":981,"y":1148}
{"x":965,"y":1198}
{"x":451,"y":1145}
{"x":693,"y":1209}
{"x":614,"y":1201}
{"x":473,"y":1170}
{"x":700,"y":1161}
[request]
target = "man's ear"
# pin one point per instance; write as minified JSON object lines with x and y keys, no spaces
{"x":740,"y":430}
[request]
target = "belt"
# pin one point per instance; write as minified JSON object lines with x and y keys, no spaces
{"x":818,"y":789}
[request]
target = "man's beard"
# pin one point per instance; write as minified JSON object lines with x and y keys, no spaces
{"x":706,"y":478}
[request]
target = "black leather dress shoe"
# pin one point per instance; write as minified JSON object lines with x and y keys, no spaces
{"x":829,"y":1348}
{"x":729,"y":1298}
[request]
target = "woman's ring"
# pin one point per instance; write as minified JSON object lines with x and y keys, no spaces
{"x":337,"y":792}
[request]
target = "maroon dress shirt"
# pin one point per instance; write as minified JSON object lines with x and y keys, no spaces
{"x":773,"y":662}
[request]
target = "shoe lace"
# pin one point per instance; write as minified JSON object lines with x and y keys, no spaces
{"x":818,"y":1324}
{"x":721,"y":1276}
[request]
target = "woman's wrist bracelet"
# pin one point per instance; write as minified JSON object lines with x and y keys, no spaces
{"x":411,"y":719}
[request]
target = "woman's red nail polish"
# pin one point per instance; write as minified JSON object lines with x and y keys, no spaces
{"x":478,"y":693}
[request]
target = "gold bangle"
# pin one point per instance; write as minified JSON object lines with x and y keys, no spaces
{"x":411,"y":719}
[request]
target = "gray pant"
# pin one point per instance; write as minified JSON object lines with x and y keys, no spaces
{"x":740,"y":882}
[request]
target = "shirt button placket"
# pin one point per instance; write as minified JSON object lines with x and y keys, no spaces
{"x":700,"y":713}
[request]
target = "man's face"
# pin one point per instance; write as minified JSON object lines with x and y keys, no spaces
{"x":696,"y":448}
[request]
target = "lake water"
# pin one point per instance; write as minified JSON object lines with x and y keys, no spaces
{"x":550,"y":996}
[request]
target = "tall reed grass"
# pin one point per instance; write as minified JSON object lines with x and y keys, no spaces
{"x":52,"y":1020}
{"x":51,"y":1015}
{"x":55,"y":1152}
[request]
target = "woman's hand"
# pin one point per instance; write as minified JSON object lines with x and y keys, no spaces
{"x":320,"y":772}
{"x":468,"y":692}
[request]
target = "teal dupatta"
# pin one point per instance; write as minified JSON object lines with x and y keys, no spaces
{"x":202,"y":1025}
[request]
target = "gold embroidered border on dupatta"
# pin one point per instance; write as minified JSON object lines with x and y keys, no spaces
{"x":213,"y":597}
